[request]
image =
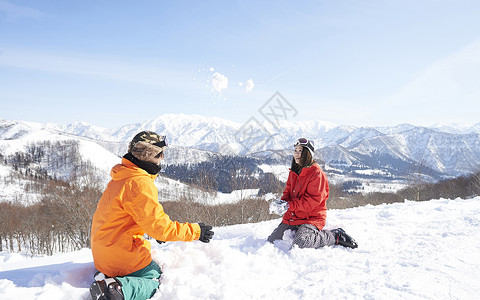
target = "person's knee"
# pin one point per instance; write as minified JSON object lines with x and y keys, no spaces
{"x":305,"y":237}
{"x":277,"y":234}
{"x":301,"y":242}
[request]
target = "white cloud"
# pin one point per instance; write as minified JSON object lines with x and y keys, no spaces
{"x":249,"y":86}
{"x":98,"y":68}
{"x":219,"y":82}
{"x":14,"y":12}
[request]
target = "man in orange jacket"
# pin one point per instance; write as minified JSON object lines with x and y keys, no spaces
{"x":128,"y":209}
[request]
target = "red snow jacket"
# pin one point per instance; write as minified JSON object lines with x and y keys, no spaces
{"x":307,"y":196}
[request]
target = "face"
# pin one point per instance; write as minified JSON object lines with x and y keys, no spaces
{"x":159,"y":157}
{"x":297,"y":153}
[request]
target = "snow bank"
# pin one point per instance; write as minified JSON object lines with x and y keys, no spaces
{"x":411,"y":250}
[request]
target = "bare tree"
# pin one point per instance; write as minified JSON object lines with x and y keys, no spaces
{"x":417,"y":178}
{"x":207,"y":184}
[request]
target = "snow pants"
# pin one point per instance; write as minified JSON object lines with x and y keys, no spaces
{"x":141,"y":284}
{"x":306,"y":235}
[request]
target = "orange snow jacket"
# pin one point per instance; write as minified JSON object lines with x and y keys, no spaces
{"x":128,"y":209}
{"x":307,"y":196}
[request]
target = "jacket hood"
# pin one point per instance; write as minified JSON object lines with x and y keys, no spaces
{"x":128,"y":169}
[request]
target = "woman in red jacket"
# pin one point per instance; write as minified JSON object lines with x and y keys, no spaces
{"x":306,"y":195}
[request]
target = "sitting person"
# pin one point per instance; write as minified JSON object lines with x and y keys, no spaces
{"x":306,"y":195}
{"x":128,"y":209}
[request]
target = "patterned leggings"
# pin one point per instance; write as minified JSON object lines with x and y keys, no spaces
{"x":306,"y":235}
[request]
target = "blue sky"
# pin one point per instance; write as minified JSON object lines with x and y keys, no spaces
{"x":364,"y":63}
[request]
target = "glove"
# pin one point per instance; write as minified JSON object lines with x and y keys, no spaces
{"x":206,"y":233}
{"x":278,"y":207}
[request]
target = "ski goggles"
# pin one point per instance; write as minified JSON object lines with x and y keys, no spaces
{"x":162,"y":143}
{"x":302,"y":142}
{"x":309,"y":144}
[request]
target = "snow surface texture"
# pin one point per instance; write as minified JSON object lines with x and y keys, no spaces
{"x":411,"y":250}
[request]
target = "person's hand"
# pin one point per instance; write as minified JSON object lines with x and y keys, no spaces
{"x":206,"y":233}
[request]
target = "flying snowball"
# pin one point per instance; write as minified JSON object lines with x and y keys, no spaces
{"x":219,"y":82}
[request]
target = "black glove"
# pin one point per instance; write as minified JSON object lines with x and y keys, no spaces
{"x":206,"y":233}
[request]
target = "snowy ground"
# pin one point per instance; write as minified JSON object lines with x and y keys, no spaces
{"x":412,"y":250}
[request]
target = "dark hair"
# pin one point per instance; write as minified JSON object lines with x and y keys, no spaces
{"x":306,"y":160}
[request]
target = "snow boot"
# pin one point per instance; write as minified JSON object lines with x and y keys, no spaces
{"x":97,"y":290}
{"x":107,"y":289}
{"x":343,"y":239}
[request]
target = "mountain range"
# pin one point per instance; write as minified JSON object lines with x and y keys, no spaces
{"x":440,"y":151}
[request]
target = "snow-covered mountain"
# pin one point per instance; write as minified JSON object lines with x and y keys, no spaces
{"x":440,"y":152}
{"x":19,"y":137}
{"x":411,"y":250}
{"x":457,"y":128}
{"x":450,"y":150}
